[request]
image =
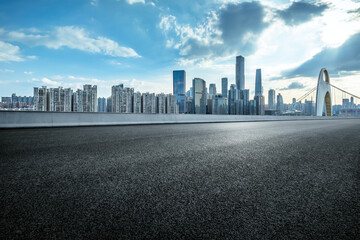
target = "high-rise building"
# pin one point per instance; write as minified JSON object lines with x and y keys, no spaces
{"x":179,"y":88}
{"x":60,"y":99}
{"x":41,"y":99}
{"x":161,"y":103}
{"x":148,"y":102}
{"x":90,"y":98}
{"x":244,"y":102}
{"x":224,"y":87}
{"x":280,"y":103}
{"x":212,"y":90}
{"x":240,"y":72}
{"x":219,"y":105}
{"x":77,"y":101}
{"x":137,"y":103}
{"x":232,"y":99}
{"x":271,"y":99}
{"x":101,"y":105}
{"x":122,"y":99}
{"x":258,"y":83}
{"x":199,"y":96}
{"x":259,"y":104}
{"x":171,"y":104}
{"x":108,"y":104}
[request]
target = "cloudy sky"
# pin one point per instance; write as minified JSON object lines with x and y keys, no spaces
{"x":140,"y":42}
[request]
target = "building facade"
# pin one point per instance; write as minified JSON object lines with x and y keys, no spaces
{"x":179,"y":89}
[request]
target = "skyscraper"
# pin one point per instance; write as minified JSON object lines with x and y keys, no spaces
{"x":60,"y":99}
{"x":224,"y":87}
{"x":271,"y":99}
{"x":148,"y":103}
{"x":101,"y":105}
{"x":122,"y":99}
{"x":41,"y":99}
{"x":90,"y":98}
{"x":179,"y":88}
{"x":240,"y":72}
{"x":258,"y":83}
{"x":280,"y":103}
{"x":171,"y":106}
{"x":212,"y":90}
{"x":199,"y":96}
{"x":161,"y":103}
{"x":232,"y":99}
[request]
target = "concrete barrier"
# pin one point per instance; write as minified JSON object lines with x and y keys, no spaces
{"x":19,"y":119}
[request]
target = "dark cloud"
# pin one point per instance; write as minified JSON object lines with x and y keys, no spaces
{"x":344,"y":58}
{"x":294,"y":85}
{"x":300,"y":12}
{"x":240,"y":25}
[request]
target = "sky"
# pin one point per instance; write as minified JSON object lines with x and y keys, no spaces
{"x":139,"y":43}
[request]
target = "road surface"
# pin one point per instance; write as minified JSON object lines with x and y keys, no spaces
{"x":249,"y":180}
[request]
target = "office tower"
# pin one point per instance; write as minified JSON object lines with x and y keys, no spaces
{"x":171,"y":104}
{"x":219,"y":105}
{"x":148,"y":102}
{"x":122,"y":99}
{"x":232,"y":99}
{"x":244,"y":102}
{"x":189,"y":93}
{"x":259,"y":105}
{"x":189,"y":106}
{"x":252,"y":107}
{"x":199,"y":96}
{"x":212,"y":90}
{"x":240,"y":72}
{"x":108,"y":104}
{"x":137,"y":103}
{"x":224,"y":87}
{"x":89,"y":98}
{"x":280,"y":103}
{"x":161,"y":103}
{"x":293,"y":100}
{"x":309,"y":107}
{"x":40,"y":99}
{"x":352,"y":102}
{"x":179,"y":88}
{"x":78,"y":101}
{"x":101,"y":105}
{"x":271,"y":99}
{"x":258,"y":83}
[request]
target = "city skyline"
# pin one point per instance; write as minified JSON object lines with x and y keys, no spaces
{"x":149,"y":39}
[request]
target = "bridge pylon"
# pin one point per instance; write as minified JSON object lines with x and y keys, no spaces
{"x":323,"y":94}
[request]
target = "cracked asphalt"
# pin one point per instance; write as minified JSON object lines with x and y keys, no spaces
{"x":248,"y":180}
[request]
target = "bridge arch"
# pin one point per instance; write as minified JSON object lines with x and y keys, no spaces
{"x":323,"y":94}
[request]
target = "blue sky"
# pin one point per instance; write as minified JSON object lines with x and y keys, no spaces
{"x":139,"y":42}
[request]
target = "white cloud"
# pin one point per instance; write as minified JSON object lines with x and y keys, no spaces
{"x":28,"y":73}
{"x":50,"y":82}
{"x":9,"y":52}
{"x":94,"y":2}
{"x":32,"y":57}
{"x":6,"y":70}
{"x":72,"y":37}
{"x":135,"y":1}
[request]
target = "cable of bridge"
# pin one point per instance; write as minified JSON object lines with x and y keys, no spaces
{"x":345,"y":91}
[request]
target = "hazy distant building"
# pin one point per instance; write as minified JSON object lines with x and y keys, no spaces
{"x":240,"y":72}
{"x":179,"y":88}
{"x":280,"y":103}
{"x":199,"y":96}
{"x":171,"y":104}
{"x":101,"y":105}
{"x":259,"y":105}
{"x":271,"y":99}
{"x":41,"y":99}
{"x":224,"y":87}
{"x":148,"y":103}
{"x":108,"y":104}
{"x":244,"y":102}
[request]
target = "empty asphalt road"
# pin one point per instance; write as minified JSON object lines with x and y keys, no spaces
{"x":249,"y":180}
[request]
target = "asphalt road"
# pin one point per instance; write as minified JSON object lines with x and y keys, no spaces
{"x":250,"y":180}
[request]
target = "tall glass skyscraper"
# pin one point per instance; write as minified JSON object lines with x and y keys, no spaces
{"x":179,"y":88}
{"x":224,"y":87}
{"x":212,"y":90}
{"x":240,"y":72}
{"x":271,"y":99}
{"x":199,"y":96}
{"x":258,"y":83}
